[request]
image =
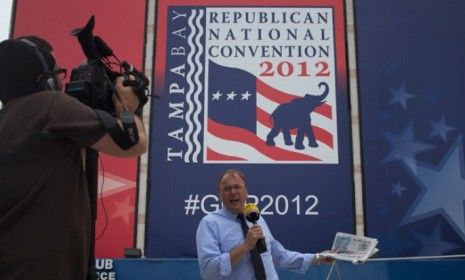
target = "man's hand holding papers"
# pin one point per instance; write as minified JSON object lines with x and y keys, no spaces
{"x":352,"y":248}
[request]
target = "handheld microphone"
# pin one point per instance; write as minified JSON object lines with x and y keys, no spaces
{"x":252,"y":214}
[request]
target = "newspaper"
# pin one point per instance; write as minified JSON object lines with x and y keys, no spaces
{"x":352,"y":248}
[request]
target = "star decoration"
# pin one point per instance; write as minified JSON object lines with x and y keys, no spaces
{"x":231,"y":95}
{"x":217,"y":95}
{"x":246,"y":95}
{"x":124,"y":209}
{"x":442,"y":190}
{"x":398,"y":189}
{"x":433,"y":244}
{"x":404,"y":147}
{"x":440,"y":128}
{"x":400,"y":96}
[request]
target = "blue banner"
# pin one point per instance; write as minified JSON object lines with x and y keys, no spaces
{"x":411,"y":61}
{"x":260,"y":89}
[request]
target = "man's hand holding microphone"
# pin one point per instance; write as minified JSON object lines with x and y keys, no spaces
{"x":255,"y":235}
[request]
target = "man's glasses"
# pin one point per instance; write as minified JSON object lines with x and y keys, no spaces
{"x":228,"y":189}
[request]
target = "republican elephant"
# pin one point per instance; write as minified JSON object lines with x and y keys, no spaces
{"x":296,"y":114}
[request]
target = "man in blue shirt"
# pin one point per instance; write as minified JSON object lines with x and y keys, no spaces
{"x":222,"y":250}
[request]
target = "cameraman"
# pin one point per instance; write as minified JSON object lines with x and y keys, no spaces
{"x":45,"y":218}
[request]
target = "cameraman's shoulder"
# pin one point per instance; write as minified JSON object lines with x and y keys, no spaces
{"x":41,"y":98}
{"x":63,"y":99}
{"x":62,"y":104}
{"x":44,"y":94}
{"x":50,"y":94}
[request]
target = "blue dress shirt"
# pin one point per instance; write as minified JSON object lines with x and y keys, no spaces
{"x":220,"y":232}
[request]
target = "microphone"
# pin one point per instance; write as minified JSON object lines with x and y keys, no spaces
{"x":252,"y":214}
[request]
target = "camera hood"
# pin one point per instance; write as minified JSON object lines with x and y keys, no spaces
{"x":86,"y":39}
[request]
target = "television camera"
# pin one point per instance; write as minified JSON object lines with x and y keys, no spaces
{"x":93,"y":81}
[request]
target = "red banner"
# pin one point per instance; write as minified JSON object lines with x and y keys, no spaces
{"x":122,"y":25}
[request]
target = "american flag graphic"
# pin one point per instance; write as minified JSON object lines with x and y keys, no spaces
{"x":238,"y":120}
{"x":229,"y":110}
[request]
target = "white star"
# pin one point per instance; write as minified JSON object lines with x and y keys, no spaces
{"x":246,"y":95}
{"x":216,"y":96}
{"x":124,"y":210}
{"x":231,"y":95}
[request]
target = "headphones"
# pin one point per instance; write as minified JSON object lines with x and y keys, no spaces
{"x":47,"y":80}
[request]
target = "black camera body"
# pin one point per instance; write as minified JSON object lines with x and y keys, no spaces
{"x":88,"y":85}
{"x":93,"y":82}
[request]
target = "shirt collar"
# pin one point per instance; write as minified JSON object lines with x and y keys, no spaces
{"x":227,"y":214}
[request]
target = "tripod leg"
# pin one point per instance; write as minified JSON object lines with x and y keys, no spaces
{"x":330,"y":270}
{"x":91,"y":161}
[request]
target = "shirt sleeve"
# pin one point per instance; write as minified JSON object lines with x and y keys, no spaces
{"x":213,"y":263}
{"x":290,"y":260}
{"x":69,"y":118}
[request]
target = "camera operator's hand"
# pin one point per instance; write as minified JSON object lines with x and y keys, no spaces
{"x":128,"y":97}
{"x":131,"y":103}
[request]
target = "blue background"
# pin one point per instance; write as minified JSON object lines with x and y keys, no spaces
{"x":411,"y":70}
{"x":171,"y":233}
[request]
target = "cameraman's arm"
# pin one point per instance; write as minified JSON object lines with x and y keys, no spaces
{"x":106,"y":143}
{"x":108,"y":146}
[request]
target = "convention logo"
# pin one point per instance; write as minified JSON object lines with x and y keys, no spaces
{"x":252,"y":85}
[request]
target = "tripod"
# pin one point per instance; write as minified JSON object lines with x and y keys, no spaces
{"x":91,"y":169}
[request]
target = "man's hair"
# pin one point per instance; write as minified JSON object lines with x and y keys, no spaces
{"x":21,"y":68}
{"x":231,"y":172}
